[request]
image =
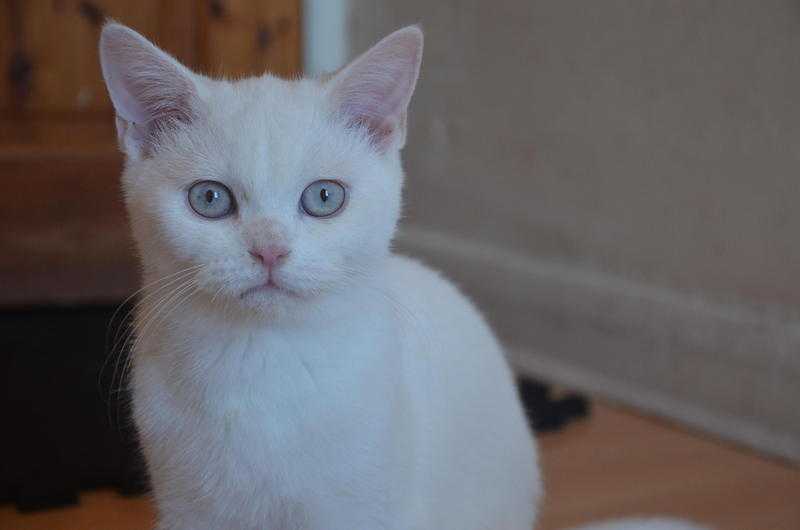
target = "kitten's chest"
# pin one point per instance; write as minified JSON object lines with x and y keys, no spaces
{"x":266,"y":410}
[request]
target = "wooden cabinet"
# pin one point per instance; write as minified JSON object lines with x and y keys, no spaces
{"x":63,"y":234}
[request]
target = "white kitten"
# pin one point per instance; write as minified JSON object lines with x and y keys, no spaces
{"x":290,"y":372}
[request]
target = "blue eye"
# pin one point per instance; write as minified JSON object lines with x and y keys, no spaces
{"x":211,"y":199}
{"x":322,"y":198}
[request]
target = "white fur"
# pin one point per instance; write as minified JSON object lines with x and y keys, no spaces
{"x":366,"y":393}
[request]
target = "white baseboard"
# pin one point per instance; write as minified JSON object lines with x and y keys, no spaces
{"x":728,"y":369}
{"x":694,"y":415}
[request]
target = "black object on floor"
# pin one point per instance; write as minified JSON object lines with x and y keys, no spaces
{"x":545,"y":412}
{"x":64,"y":428}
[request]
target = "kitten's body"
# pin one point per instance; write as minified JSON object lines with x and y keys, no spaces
{"x":289,"y":371}
{"x":399,"y":405}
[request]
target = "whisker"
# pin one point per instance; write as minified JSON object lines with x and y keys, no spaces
{"x":126,"y":334}
{"x":177,"y":298}
{"x":121,"y":330}
{"x":147,"y":286}
{"x":124,"y":349}
{"x":156,"y":309}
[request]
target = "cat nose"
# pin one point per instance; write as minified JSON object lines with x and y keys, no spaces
{"x":270,"y":255}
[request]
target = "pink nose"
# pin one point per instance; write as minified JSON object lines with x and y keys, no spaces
{"x":270,"y":255}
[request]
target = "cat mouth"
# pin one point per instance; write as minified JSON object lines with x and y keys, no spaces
{"x":267,"y":287}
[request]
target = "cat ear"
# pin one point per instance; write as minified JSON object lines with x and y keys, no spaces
{"x":374,"y":90}
{"x":149,"y":89}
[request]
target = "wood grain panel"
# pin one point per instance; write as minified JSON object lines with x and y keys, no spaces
{"x":62,"y":137}
{"x":242,"y":37}
{"x":64,"y":236}
{"x":50,"y":50}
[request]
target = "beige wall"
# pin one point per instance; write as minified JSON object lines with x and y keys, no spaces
{"x":617,"y":184}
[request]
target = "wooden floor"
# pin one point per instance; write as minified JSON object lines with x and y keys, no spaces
{"x":616,"y":463}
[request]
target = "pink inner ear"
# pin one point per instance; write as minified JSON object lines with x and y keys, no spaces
{"x":375,"y":89}
{"x":146,"y":86}
{"x":156,"y":94}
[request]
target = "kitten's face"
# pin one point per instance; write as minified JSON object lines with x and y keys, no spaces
{"x":266,"y":141}
{"x":269,"y":193}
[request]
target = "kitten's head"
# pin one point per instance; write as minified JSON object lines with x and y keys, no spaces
{"x":267,"y":193}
